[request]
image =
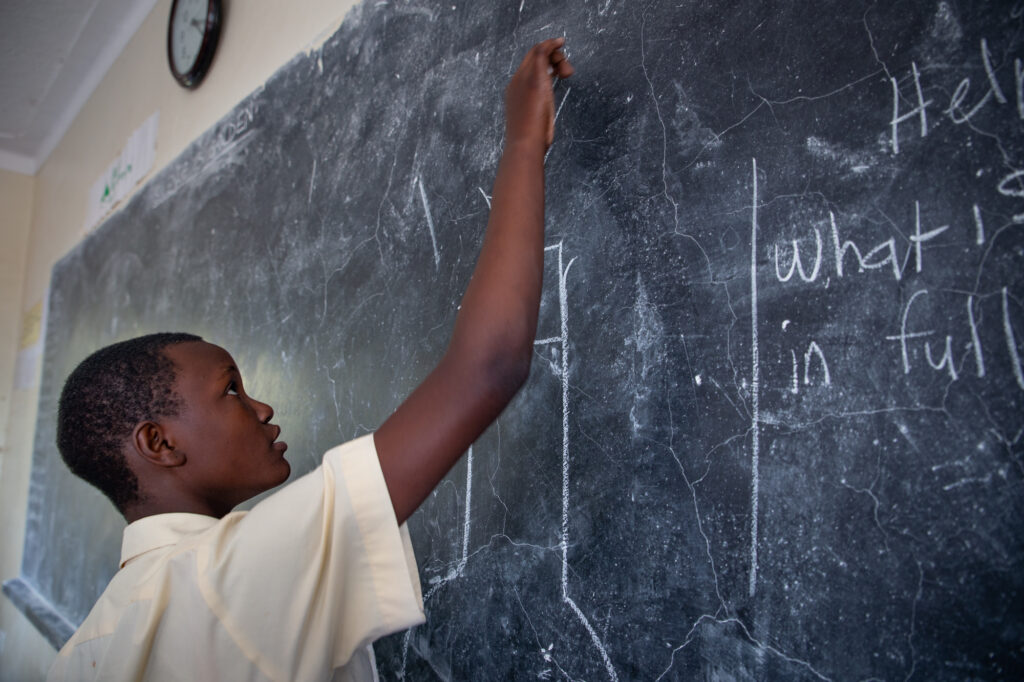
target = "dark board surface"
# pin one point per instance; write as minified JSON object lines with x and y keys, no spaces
{"x":723,"y":465}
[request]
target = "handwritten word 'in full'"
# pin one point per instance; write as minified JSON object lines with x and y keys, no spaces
{"x":946,"y":361}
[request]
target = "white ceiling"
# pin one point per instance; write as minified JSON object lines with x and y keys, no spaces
{"x":53,"y":54}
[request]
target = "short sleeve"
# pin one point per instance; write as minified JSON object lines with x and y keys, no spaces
{"x":315,"y":571}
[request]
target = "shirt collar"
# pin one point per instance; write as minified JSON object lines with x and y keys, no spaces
{"x":161,"y":530}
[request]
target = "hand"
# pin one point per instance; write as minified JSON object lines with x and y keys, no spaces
{"x":529,"y":99}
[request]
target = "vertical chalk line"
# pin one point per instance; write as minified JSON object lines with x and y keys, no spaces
{"x":563,"y":304}
{"x":430,"y":223}
{"x":979,"y":358}
{"x":564,"y":315}
{"x":1011,"y":342}
{"x":980,"y":239}
{"x":459,"y":568}
{"x":405,"y":652}
{"x":795,"y":388}
{"x":754,"y":387}
{"x":469,"y":499}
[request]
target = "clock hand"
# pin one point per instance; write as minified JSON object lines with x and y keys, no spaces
{"x":194,"y":23}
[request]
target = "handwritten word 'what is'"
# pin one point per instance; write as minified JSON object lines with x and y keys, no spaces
{"x":789,"y":263}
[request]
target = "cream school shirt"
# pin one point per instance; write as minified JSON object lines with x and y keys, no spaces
{"x":295,"y":589}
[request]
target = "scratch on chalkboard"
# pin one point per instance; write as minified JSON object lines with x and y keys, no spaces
{"x":761,"y":646}
{"x":870,"y":492}
{"x":430,"y":224}
{"x":312,"y":183}
{"x":557,"y":112}
{"x":664,"y":130}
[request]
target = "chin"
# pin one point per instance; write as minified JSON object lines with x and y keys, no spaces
{"x":286,"y":470}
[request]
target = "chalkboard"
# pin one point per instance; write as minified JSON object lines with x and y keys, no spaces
{"x":773,"y":427}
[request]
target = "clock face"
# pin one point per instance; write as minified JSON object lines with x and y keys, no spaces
{"x":192,"y":38}
{"x":188,"y":27}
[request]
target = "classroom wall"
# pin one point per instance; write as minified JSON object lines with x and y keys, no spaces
{"x":42,"y":217}
{"x":15,"y":219}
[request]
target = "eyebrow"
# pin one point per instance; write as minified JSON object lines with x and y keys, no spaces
{"x":229,"y":369}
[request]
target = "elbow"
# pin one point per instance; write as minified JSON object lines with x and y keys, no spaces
{"x":493,"y":358}
{"x":509,"y":372}
{"x":499,"y":375}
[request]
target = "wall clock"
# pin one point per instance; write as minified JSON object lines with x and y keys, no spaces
{"x":192,"y":35}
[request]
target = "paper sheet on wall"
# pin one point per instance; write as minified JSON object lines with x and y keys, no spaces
{"x":133,"y":163}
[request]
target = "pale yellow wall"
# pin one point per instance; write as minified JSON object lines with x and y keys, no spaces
{"x":15,"y":220}
{"x":257,"y":38}
{"x":21,"y":645}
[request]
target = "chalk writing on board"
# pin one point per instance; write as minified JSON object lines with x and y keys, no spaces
{"x":562,"y":371}
{"x":941,"y":357}
{"x":877,"y":258}
{"x":1009,"y":185}
{"x":563,"y":308}
{"x":755,"y":385}
{"x":955,"y":109}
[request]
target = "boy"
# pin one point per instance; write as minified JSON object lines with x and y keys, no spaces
{"x":299,"y":587}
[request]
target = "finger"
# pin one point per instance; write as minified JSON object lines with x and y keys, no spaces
{"x":541,"y":51}
{"x":560,"y":64}
{"x":564,"y":69}
{"x":547,"y":47}
{"x":544,"y":50}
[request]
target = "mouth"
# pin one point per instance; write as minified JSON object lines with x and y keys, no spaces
{"x":278,"y":445}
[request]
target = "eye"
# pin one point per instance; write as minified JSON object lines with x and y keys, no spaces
{"x":232,"y":388}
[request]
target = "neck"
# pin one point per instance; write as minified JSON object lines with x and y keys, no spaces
{"x":152,"y":507}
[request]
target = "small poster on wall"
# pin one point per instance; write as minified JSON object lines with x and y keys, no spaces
{"x":131,"y":165}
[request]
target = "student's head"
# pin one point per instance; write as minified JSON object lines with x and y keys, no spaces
{"x":162,"y":423}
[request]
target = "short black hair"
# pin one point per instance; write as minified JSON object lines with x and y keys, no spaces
{"x":103,"y":399}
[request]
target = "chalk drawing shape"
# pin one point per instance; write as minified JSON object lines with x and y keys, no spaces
{"x":552,"y":346}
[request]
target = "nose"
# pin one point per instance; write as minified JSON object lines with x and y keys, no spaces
{"x":264,"y":412}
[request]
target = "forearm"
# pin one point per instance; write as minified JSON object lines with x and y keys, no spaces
{"x":498,"y":317}
{"x":488,"y":357}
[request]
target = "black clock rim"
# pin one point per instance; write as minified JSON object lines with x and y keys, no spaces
{"x":211,"y":36}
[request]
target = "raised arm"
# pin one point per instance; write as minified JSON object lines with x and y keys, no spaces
{"x":488,"y":357}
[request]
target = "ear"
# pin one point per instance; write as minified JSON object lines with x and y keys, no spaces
{"x":150,"y":442}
